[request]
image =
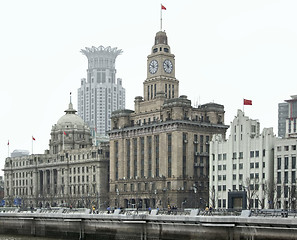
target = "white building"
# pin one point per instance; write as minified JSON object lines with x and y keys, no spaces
{"x":285,"y":173}
{"x":101,"y":93}
{"x":285,"y":160}
{"x":241,"y":168}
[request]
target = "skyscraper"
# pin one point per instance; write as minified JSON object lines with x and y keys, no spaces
{"x":283,"y":113}
{"x":291,"y":130}
{"x":101,"y":93}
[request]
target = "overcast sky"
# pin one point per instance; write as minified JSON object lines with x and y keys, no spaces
{"x":225,"y":51}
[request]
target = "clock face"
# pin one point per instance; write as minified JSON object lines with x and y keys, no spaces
{"x":153,"y":67}
{"x":167,"y":66}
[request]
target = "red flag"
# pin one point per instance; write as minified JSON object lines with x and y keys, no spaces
{"x":247,"y":102}
{"x":162,"y":7}
{"x":33,"y":138}
{"x":65,"y":134}
{"x":8,"y":142}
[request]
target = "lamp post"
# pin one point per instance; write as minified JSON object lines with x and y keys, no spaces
{"x":195,"y":192}
{"x":118,"y":193}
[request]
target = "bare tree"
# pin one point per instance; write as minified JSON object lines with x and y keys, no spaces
{"x":212,"y":197}
{"x":250,"y":189}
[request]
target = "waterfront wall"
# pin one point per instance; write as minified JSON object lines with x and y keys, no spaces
{"x":147,"y":227}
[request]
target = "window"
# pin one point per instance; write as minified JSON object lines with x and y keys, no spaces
{"x":279,"y":163}
{"x":251,"y":165}
{"x":252,"y":154}
{"x":286,"y":162}
{"x":286,"y":177}
{"x":279,"y":176}
{"x":257,"y":153}
{"x":234,"y":155}
{"x":240,"y":155}
{"x":234,"y":176}
{"x":256,"y":165}
{"x":240,"y":165}
{"x":234,"y":166}
{"x":224,"y":156}
{"x":224,"y":203}
{"x":293,"y":162}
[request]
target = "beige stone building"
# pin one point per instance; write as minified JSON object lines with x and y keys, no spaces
{"x":71,"y":172}
{"x":159,"y":153}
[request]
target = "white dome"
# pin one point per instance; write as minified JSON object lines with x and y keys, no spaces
{"x":71,"y":119}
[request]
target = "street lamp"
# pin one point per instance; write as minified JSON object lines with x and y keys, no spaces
{"x":195,"y":191}
{"x":118,"y":193}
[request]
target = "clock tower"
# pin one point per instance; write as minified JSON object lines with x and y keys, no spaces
{"x":160,"y":71}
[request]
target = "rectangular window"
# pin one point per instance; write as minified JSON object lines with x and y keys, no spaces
{"x":135,"y":156}
{"x":286,"y":177}
{"x":252,"y":154}
{"x":257,"y":153}
{"x":293,"y":162}
{"x":169,"y":151}
{"x":286,"y":162}
{"x":279,"y":163}
{"x":142,"y":157}
{"x":279,"y":177}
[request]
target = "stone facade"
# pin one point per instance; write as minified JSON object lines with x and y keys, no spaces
{"x":159,"y":153}
{"x":71,"y":172}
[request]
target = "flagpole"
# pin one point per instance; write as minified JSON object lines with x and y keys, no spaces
{"x":161,"y":19}
{"x":32,"y":144}
{"x":63,"y":139}
{"x":243,"y":106}
{"x":8,"y":149}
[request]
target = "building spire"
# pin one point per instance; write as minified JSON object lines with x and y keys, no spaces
{"x":70,"y":109}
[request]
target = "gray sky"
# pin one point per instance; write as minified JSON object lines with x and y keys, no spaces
{"x":225,"y":51}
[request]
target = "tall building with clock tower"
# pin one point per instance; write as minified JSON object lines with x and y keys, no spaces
{"x":159,"y":152}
